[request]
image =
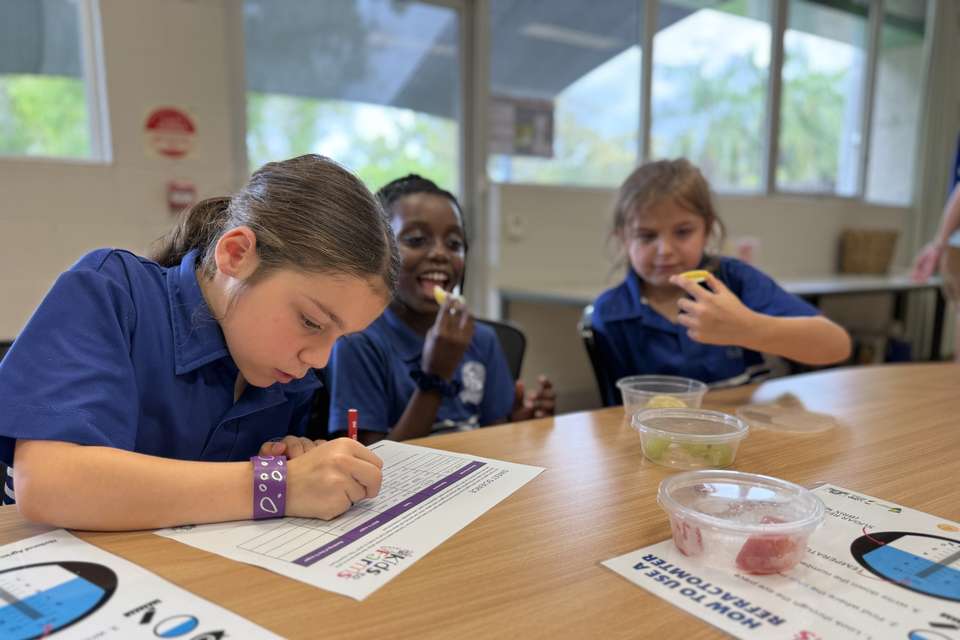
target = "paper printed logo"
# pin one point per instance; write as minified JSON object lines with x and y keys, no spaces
{"x":379,"y":561}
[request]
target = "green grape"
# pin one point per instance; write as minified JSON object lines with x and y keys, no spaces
{"x":654,"y":448}
{"x":699,"y":450}
{"x":721,"y":455}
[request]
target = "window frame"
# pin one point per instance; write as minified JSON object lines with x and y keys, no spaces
{"x":95,"y":88}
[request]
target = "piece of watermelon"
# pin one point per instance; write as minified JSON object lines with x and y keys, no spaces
{"x":764,"y":554}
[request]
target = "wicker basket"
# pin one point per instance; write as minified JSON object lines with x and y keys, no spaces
{"x":867,"y":250}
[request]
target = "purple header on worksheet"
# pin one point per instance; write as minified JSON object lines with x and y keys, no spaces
{"x":390,"y":514}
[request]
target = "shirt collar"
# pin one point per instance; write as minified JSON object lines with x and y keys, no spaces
{"x":197,"y":337}
{"x":633,"y":305}
{"x":404,"y":339}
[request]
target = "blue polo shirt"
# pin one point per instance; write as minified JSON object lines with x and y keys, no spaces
{"x":632,"y":338}
{"x":371,"y":371}
{"x":124,"y":353}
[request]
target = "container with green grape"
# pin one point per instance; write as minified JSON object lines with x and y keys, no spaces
{"x":687,"y":438}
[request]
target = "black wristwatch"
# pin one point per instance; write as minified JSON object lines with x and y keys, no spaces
{"x":432,"y":382}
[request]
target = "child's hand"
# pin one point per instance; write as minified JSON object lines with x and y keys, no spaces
{"x":447,"y":339}
{"x":927,"y":262}
{"x":331,"y":477}
{"x":714,"y":316}
{"x":290,"y":446}
{"x":535,"y":404}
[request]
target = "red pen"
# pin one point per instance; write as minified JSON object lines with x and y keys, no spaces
{"x":352,"y":417}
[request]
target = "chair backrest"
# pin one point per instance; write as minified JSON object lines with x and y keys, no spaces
{"x":585,"y":329}
{"x":512,"y":341}
{"x":6,"y":473}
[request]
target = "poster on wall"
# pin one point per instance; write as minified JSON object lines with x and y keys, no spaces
{"x":169,"y":132}
{"x":521,"y":126}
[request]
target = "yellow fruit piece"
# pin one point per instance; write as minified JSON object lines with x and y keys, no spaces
{"x":698,"y":275}
{"x":440,"y":295}
{"x":665,"y":402}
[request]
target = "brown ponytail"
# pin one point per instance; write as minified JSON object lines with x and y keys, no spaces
{"x":308,"y":213}
{"x":195,"y":229}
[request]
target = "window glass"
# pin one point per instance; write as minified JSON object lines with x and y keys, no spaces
{"x":711,"y":64}
{"x":373,"y":84}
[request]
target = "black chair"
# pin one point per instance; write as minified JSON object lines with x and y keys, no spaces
{"x":585,"y":329}
{"x":6,"y":473}
{"x":512,"y":341}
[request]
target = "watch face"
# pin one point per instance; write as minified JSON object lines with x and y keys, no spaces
{"x":41,"y":599}
{"x":918,"y":562}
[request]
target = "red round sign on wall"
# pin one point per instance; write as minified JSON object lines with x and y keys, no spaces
{"x":170,"y":132}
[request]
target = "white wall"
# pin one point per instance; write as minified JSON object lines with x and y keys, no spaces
{"x":555,"y":237}
{"x":156,"y":53}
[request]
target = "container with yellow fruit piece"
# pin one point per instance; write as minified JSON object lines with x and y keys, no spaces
{"x":689,"y":438}
{"x":659,"y":392}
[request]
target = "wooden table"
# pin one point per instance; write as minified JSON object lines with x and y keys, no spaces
{"x":529,"y":567}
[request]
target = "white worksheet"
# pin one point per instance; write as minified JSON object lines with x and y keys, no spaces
{"x":875,"y":570}
{"x":427,"y":496}
{"x":57,"y":585}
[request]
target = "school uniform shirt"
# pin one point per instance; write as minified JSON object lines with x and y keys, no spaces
{"x":632,"y":338}
{"x":125,"y":353}
{"x":371,"y":371}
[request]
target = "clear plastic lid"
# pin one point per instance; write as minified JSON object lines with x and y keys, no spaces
{"x":661,"y":384}
{"x":741,"y":502}
{"x":780,"y":418}
{"x":690,"y":425}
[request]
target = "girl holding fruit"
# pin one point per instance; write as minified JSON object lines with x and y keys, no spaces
{"x":713,"y":324}
{"x":425,"y":365}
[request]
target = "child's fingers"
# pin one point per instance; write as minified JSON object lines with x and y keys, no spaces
{"x":297,"y":446}
{"x":715,"y":284}
{"x":369,"y":476}
{"x":691,"y":287}
{"x":272,"y":448}
{"x":687,"y":306}
{"x":688,"y":320}
{"x":466,"y":322}
{"x":357,"y":450}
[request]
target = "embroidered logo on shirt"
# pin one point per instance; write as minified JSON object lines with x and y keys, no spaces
{"x":474,"y":374}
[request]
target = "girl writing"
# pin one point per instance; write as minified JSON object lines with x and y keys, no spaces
{"x":141,"y":390}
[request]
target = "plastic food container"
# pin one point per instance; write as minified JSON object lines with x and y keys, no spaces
{"x":652,"y":392}
{"x":740,"y":521}
{"x":689,"y":438}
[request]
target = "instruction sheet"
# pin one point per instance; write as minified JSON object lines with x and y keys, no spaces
{"x":56,"y":585}
{"x":874,"y":570}
{"x":427,"y":496}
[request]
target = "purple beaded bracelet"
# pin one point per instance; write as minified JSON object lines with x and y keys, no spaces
{"x":269,"y":486}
